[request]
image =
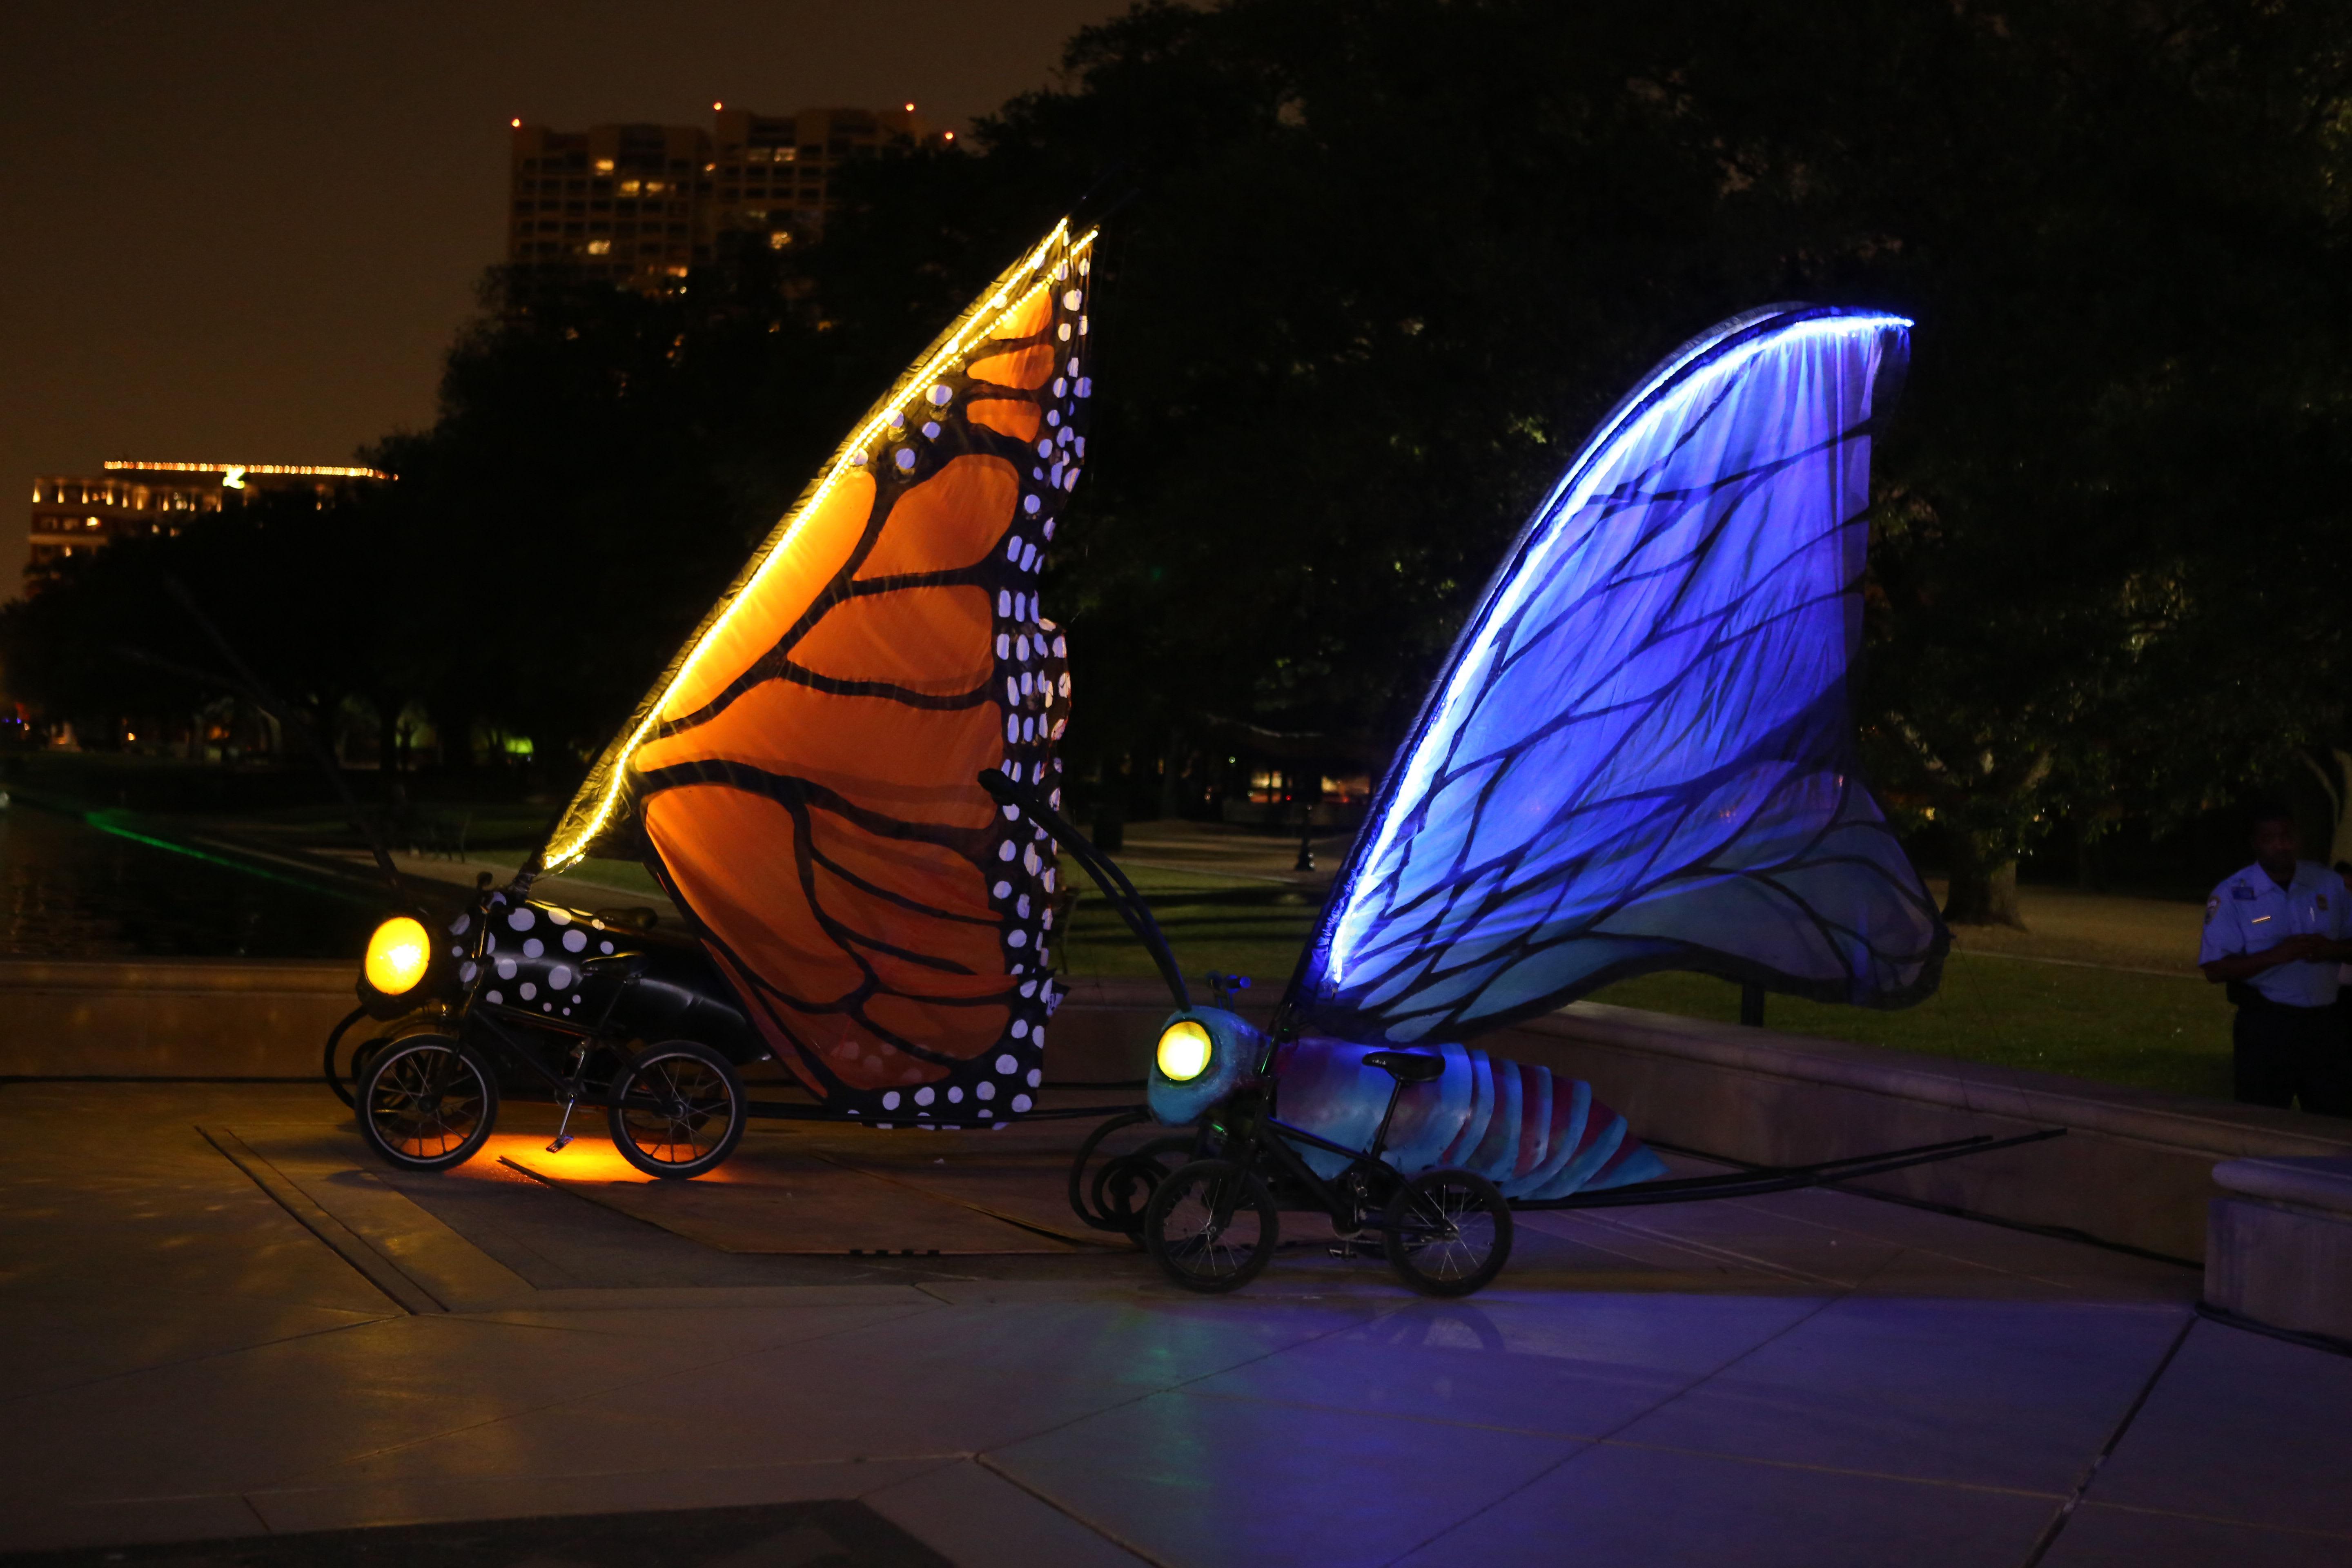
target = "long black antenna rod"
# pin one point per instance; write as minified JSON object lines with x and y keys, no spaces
{"x":245,"y":684}
{"x":1107,"y":877}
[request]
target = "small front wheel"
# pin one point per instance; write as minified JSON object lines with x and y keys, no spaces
{"x":1448,"y":1232}
{"x":1211,"y":1226}
{"x":679,"y":1110}
{"x":427,"y":1102}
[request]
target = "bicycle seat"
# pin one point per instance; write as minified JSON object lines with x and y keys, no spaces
{"x":1407,"y":1067}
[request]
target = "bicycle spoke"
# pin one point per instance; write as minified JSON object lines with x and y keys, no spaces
{"x":676,"y":1110}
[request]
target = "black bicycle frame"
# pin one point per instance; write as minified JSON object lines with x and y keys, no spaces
{"x":1276,"y":1137}
{"x":479,"y":1025}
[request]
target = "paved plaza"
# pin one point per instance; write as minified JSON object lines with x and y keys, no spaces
{"x":219,"y":1322}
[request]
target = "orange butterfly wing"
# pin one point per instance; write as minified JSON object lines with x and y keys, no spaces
{"x":806,"y":772}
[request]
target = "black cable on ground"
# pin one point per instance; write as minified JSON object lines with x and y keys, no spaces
{"x":2054,"y":1232}
{"x":1762,"y":1180}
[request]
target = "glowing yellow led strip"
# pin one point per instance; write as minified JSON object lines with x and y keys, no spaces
{"x":910,"y":386}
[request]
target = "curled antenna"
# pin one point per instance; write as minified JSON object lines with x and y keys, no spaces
{"x":1113,"y":882}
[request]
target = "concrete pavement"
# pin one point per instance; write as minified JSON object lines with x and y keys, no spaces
{"x":1811,"y":1379}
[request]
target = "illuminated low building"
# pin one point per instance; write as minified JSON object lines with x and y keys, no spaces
{"x":75,"y":515}
{"x":640,"y":206}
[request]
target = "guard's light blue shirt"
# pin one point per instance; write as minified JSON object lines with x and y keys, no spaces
{"x":2251,"y":914}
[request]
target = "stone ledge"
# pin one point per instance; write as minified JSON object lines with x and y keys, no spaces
{"x":2283,"y":1264}
{"x":2136,"y":1168}
{"x":304,"y":977}
{"x":2323,"y":1183}
{"x":168,"y":1018}
{"x":2183,"y":1123}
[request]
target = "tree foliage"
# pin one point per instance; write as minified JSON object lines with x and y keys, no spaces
{"x":1375,"y":268}
{"x":1389,"y":259}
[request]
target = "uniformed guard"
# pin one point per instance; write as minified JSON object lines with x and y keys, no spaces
{"x":2274,"y":933}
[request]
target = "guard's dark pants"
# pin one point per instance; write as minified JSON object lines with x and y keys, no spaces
{"x":2282,"y":1055}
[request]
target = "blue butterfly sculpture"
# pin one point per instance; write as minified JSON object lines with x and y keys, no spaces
{"x":1641,"y":756}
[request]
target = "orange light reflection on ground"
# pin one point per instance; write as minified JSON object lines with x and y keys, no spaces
{"x":588,"y":1158}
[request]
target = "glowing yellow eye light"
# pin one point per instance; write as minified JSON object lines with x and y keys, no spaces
{"x":1184,"y":1052}
{"x":396,"y":955}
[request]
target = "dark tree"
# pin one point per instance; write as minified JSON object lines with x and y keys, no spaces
{"x":1388,"y":261}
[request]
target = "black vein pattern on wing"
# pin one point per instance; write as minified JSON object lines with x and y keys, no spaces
{"x":800,"y":797}
{"x":1465,"y":897}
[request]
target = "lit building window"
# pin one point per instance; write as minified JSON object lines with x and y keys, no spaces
{"x":604,"y":165}
{"x":778,"y":240}
{"x":600,"y":247}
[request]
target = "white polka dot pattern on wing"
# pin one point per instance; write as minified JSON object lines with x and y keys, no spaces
{"x":1031,"y":684}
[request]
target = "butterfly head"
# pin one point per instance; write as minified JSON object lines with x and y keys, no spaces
{"x":1200,"y":1055}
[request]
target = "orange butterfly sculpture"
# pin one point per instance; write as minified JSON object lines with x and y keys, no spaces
{"x":803,"y":775}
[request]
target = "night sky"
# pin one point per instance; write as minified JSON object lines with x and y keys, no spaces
{"x":245,"y":232}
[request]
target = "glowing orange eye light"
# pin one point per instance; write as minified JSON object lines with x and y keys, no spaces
{"x":1184,"y":1051}
{"x":397,"y":955}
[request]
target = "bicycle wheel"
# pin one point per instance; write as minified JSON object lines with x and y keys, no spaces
{"x":427,"y":1102}
{"x":1449,"y":1232}
{"x":1211,"y":1226}
{"x":677,"y":1111}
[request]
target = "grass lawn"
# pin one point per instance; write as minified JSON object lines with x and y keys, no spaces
{"x":2155,"y":1031}
{"x":626,"y":876}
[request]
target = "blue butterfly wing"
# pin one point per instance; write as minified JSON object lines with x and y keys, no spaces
{"x":1642,"y":755}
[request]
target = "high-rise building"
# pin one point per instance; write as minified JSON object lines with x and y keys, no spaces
{"x":75,"y":515}
{"x":640,"y":205}
{"x":621,"y":202}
